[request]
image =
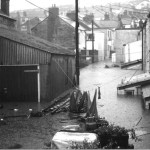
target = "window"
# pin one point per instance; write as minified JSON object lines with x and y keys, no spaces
{"x":23,"y":28}
{"x":0,"y":4}
{"x":90,"y":37}
{"x":109,"y":35}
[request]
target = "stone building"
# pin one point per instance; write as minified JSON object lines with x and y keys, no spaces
{"x":5,"y":20}
{"x":55,"y":29}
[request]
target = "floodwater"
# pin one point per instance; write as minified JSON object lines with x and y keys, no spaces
{"x":123,"y":110}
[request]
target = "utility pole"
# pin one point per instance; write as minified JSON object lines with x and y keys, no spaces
{"x":92,"y":42}
{"x":77,"y":42}
{"x":142,"y":50}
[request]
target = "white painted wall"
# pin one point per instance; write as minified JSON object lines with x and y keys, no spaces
{"x":82,"y":40}
{"x":113,"y":58}
{"x":133,"y":51}
{"x":98,"y":44}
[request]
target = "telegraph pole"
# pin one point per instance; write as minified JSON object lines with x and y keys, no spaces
{"x":142,"y":51}
{"x":77,"y":42}
{"x":92,"y":42}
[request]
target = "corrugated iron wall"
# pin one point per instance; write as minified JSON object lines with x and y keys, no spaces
{"x":62,"y":74}
{"x":56,"y":71}
{"x":56,"y":77}
{"x":12,"y":53}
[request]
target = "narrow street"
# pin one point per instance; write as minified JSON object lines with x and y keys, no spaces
{"x":123,"y":110}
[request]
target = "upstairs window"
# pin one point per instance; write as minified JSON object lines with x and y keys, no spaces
{"x":90,"y":37}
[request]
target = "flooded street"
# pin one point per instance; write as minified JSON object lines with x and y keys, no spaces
{"x":123,"y":110}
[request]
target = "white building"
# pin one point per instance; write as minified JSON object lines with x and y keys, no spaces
{"x":85,"y":44}
{"x":133,"y":51}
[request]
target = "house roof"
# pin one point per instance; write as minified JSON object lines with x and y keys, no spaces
{"x":67,"y":20}
{"x":5,"y":16}
{"x":32,"y":21}
{"x":34,"y":42}
{"x":39,"y":23}
{"x":31,"y":13}
{"x":107,"y":24}
{"x":126,"y":21}
{"x":82,"y":24}
{"x":135,"y":3}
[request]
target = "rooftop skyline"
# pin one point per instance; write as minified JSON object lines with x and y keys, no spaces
{"x":23,"y":4}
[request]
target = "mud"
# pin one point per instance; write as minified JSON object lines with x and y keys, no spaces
{"x":32,"y":133}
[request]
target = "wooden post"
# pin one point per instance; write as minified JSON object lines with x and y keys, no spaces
{"x":92,"y":43}
{"x":77,"y":43}
{"x":85,"y":44}
{"x":142,"y":51}
{"x":38,"y":81}
{"x":148,"y":59}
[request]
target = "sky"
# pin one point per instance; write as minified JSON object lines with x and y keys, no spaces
{"x":23,"y":4}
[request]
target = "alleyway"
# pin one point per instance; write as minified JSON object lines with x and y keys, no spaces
{"x":123,"y":110}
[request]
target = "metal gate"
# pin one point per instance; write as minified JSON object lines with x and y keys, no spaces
{"x":19,"y":83}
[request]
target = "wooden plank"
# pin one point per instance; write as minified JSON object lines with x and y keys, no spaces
{"x":31,"y":71}
{"x":142,"y":79}
{"x":38,"y":82}
{"x":132,"y":63}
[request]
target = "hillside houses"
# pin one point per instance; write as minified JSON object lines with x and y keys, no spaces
{"x":63,"y":31}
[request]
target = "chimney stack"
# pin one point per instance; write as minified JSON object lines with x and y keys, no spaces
{"x":5,"y":6}
{"x":53,"y":21}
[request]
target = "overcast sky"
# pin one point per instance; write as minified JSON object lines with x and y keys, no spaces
{"x":23,"y":4}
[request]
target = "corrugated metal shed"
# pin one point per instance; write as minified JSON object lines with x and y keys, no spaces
{"x":34,"y":42}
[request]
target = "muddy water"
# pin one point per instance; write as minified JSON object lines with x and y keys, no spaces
{"x":123,"y":110}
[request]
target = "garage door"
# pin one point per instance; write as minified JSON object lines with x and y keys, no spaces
{"x":19,"y":83}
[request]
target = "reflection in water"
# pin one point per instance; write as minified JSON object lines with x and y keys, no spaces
{"x":124,"y":110}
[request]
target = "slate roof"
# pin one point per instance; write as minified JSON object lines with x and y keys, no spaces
{"x":5,"y":16}
{"x":107,"y":24}
{"x":34,"y":42}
